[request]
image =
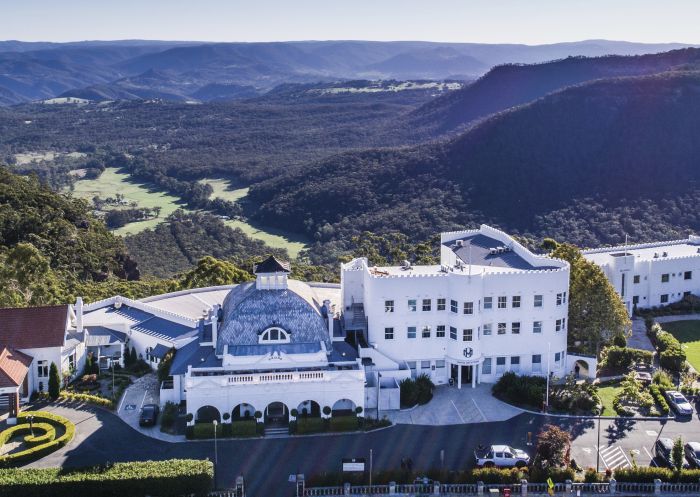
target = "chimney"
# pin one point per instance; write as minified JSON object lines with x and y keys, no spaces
{"x":79,"y":314}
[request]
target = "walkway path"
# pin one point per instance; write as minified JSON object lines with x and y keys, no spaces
{"x":639,"y":338}
{"x":453,"y":406}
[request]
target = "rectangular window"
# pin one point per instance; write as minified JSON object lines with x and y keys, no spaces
{"x":488,"y":302}
{"x":487,"y":329}
{"x":501,"y":328}
{"x":688,"y":275}
{"x":557,"y":327}
{"x":440,"y":331}
{"x":502,"y":302}
{"x":559,"y":298}
{"x":388,"y":306}
{"x":538,"y":301}
{"x":427,"y":304}
{"x":454,"y":307}
{"x":440,"y":304}
{"x":635,"y":300}
{"x":635,"y":280}
{"x":486,"y":366}
{"x":664,"y":298}
{"x":515,"y":328}
{"x":439,"y":364}
{"x":453,"y":333}
{"x":515,"y":363}
{"x":536,"y":363}
{"x":563,"y":324}
{"x":537,"y":327}
{"x":411,"y":332}
{"x":425,"y":333}
{"x":664,"y":278}
{"x":412,"y":307}
{"x":469,"y":308}
{"x":557,"y":357}
{"x":411,"y":364}
{"x":467,"y":335}
{"x":425,"y":364}
{"x":388,"y":333}
{"x":500,"y":365}
{"x":42,"y":369}
{"x":516,"y":301}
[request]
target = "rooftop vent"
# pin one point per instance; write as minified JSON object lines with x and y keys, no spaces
{"x":665,"y":254}
{"x":493,"y":251}
{"x":459,"y":243}
{"x":406,"y":264}
{"x":656,"y":255}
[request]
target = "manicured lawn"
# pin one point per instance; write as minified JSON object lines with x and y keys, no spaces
{"x":222,"y":191}
{"x":607,"y":393}
{"x":688,"y":333}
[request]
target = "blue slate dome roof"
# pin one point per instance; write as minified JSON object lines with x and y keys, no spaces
{"x":249,"y":311}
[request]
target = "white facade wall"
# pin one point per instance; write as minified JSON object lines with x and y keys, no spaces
{"x":40,"y":383}
{"x":640,"y":278}
{"x":225,"y":392}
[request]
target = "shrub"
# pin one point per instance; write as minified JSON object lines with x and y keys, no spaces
{"x":163,"y":369}
{"x":327,"y":410}
{"x":619,"y":340}
{"x":226,"y":416}
{"x":206,"y":430}
{"x":54,"y":382}
{"x":677,"y":454}
{"x":424,"y":389}
{"x":310,"y":425}
{"x":49,"y":433}
{"x":498,"y":475}
{"x":408,"y":392}
{"x":592,"y":476}
{"x":663,"y":380}
{"x":643,"y":474}
{"x":169,"y":478}
{"x":169,"y":416}
{"x":243,"y":428}
{"x":659,"y":398}
{"x":553,"y":445}
{"x":521,"y":390}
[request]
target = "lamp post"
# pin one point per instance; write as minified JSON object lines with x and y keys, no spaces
{"x":113,"y":392}
{"x":370,"y":471}
{"x":216,"y":454}
{"x":31,"y":425}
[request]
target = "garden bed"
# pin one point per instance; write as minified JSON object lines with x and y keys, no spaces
{"x":51,"y":432}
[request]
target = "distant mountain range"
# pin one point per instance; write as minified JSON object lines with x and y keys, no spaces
{"x":136,"y":69}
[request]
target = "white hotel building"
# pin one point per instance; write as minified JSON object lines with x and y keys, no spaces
{"x":489,"y":307}
{"x":275,"y":345}
{"x":651,"y":274}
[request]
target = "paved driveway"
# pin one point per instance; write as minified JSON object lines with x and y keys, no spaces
{"x":452,"y":406}
{"x":145,"y":390}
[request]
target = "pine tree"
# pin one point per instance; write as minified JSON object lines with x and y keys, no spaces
{"x":54,"y":382}
{"x":134,"y":357}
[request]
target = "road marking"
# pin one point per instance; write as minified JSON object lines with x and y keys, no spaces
{"x":478,"y":409}
{"x":651,"y":433}
{"x":614,"y":457}
{"x":587,"y":450}
{"x":458,"y":413}
{"x":652,"y":462}
{"x":144,"y":398}
{"x":121,"y":403}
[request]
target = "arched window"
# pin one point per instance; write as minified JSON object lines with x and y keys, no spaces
{"x":274,"y":335}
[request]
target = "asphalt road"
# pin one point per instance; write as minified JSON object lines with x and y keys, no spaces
{"x":267,"y":463}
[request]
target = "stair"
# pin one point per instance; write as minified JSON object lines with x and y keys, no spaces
{"x":275,"y":432}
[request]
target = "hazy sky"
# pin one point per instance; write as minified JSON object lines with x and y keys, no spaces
{"x":487,"y":21}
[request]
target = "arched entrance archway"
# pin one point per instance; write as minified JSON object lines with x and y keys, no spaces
{"x":276,"y":413}
{"x":343,"y":407}
{"x":243,"y":411}
{"x":207,"y":414}
{"x":309,"y":409}
{"x":581,"y":369}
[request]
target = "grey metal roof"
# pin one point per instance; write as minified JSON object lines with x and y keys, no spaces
{"x":475,"y":249}
{"x":101,"y":336}
{"x":196,"y":355}
{"x":160,"y":350}
{"x":249,"y":311}
{"x":163,"y":328}
{"x":272,"y":265}
{"x":343,"y":352}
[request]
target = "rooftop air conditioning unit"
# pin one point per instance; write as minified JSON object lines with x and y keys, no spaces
{"x":460,"y":243}
{"x":492,"y":251}
{"x":656,"y":255}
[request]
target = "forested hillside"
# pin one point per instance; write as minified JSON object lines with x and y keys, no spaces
{"x":608,"y":144}
{"x":510,"y":85}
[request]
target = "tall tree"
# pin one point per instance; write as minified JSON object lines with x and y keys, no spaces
{"x":213,"y":272}
{"x":596,"y":312}
{"x":27,"y":278}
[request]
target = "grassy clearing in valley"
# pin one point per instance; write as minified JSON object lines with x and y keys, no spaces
{"x":688,"y":333}
{"x":273,"y":237}
{"x":111,"y":182}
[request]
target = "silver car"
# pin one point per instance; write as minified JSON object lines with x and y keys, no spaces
{"x":679,"y":403}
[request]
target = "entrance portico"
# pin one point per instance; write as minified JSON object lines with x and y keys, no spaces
{"x":464,"y":372}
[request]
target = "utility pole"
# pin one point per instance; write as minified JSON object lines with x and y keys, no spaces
{"x":597,"y":458}
{"x":370,"y":471}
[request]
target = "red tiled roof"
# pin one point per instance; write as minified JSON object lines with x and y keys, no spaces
{"x":14,"y":366}
{"x":33,"y":327}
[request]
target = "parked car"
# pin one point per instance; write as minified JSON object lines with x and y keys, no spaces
{"x":679,"y":403}
{"x":149,"y":415}
{"x":692,"y":454}
{"x":662,"y":451}
{"x":500,"y":455}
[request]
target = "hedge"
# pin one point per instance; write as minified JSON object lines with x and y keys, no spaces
{"x":135,"y":479}
{"x":624,"y":357}
{"x":44,"y":432}
{"x":344,"y":423}
{"x":38,"y":451}
{"x":243,"y":428}
{"x":82,"y":397}
{"x":659,"y":398}
{"x":309,"y":425}
{"x":647,"y":474}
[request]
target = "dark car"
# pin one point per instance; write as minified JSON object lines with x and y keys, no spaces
{"x":662,"y":451}
{"x":149,"y":415}
{"x":692,"y":454}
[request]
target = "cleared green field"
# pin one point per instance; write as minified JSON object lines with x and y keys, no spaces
{"x":221,"y":190}
{"x":111,"y":182}
{"x":607,"y":394}
{"x":688,"y":333}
